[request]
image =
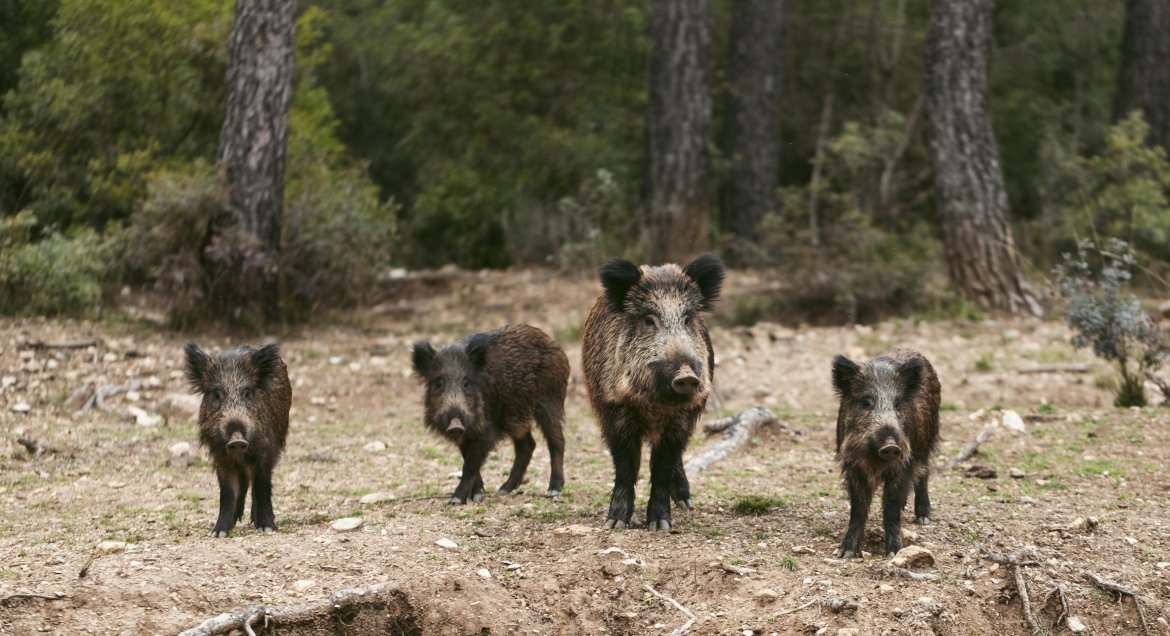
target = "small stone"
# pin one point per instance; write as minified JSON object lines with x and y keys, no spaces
{"x":303,"y":585}
{"x":1025,"y":499}
{"x":378,"y":497}
{"x":335,"y":360}
{"x":1075,"y":625}
{"x":766,"y":596}
{"x":1012,"y":421}
{"x":111,"y":547}
{"x":928,"y":604}
{"x":317,"y":400}
{"x":885,"y":588}
{"x":458,"y":474}
{"x":1131,"y":540}
{"x":911,"y":556}
{"x":802,"y":549}
{"x":1011,"y":334}
{"x":484,"y":572}
{"x":981,"y":472}
{"x":20,"y":407}
{"x":1162,"y":565}
{"x":180,"y":449}
{"x":847,"y":631}
{"x":347,"y":524}
{"x":1016,"y":473}
{"x":375,"y":447}
{"x":7,"y":381}
{"x":576,"y":529}
{"x":142,"y":418}
{"x":446,"y":543}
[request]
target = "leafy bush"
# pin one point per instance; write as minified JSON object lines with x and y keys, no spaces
{"x":56,"y":275}
{"x":1109,"y":318}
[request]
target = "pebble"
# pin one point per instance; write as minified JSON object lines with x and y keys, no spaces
{"x":446,"y":543}
{"x":1016,"y":473}
{"x":378,"y":497}
{"x":1012,"y":420}
{"x":335,"y":360}
{"x":142,"y":418}
{"x":1131,"y":540}
{"x":766,"y":595}
{"x":20,"y":407}
{"x":1162,"y":565}
{"x":847,"y":631}
{"x":576,"y":529}
{"x":484,"y":572}
{"x":7,"y":381}
{"x":347,"y":524}
{"x":802,"y":549}
{"x":303,"y":585}
{"x":181,"y":448}
{"x":1075,"y":625}
{"x":929,"y":605}
{"x":912,"y":555}
{"x":375,"y":447}
{"x":885,"y":588}
{"x":111,"y":547}
{"x":1027,"y":500}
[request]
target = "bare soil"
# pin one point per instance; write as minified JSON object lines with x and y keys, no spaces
{"x":527,"y":565}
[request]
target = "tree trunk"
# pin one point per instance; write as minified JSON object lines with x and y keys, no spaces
{"x":752,"y":131}
{"x":678,"y":124}
{"x":969,"y":186}
{"x":1143,"y":82}
{"x":257,"y":97}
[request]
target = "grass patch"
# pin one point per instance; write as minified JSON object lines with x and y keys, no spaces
{"x":1104,"y":467}
{"x":758,"y":504}
{"x":983,"y":364}
{"x":787,"y":563}
{"x":1046,"y":409}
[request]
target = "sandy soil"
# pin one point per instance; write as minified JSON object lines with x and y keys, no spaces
{"x":129,"y":499}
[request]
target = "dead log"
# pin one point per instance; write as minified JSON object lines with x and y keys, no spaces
{"x":245,"y":618}
{"x":1065,"y":367}
{"x":737,"y":431}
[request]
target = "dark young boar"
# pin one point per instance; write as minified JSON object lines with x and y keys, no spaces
{"x":887,"y":427}
{"x":243,"y":422}
{"x":491,"y":385}
{"x":648,"y":365}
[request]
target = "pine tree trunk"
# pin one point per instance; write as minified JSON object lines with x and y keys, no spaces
{"x":678,"y":124}
{"x":257,"y":97}
{"x":752,"y":131}
{"x":969,"y":185}
{"x":1143,"y":81}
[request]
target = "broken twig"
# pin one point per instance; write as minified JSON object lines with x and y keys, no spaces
{"x":1015,"y":562}
{"x":917,"y":576}
{"x":59,"y":344}
{"x":971,"y":448}
{"x":1058,"y":592}
{"x":690,"y":616}
{"x":35,"y":447}
{"x":735,"y":434}
{"x":244,"y":619}
{"x":1121,"y":591}
{"x":12,"y":599}
{"x":797,"y":609}
{"x":735,"y":569}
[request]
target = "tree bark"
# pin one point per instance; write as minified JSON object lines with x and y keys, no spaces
{"x":257,"y":98}
{"x":980,"y":252}
{"x":1143,"y":81}
{"x":752,"y":131}
{"x":678,"y":124}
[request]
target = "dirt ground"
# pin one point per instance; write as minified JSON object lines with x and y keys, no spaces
{"x":106,"y":531}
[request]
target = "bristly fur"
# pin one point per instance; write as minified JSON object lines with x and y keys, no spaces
{"x":707,"y":272}
{"x":196,"y":367}
{"x":844,"y":372}
{"x":617,"y":277}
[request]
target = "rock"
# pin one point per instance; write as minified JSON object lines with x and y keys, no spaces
{"x":375,"y":447}
{"x":1131,"y":540}
{"x":981,"y":472}
{"x":912,"y":556}
{"x":335,"y":360}
{"x":1081,"y":524}
{"x":184,"y":403}
{"x":142,"y":418}
{"x":347,"y":524}
{"x":1025,"y":499}
{"x":303,"y":585}
{"x":484,"y":572}
{"x":1011,"y":334}
{"x":802,"y":549}
{"x":928,"y":604}
{"x":766,"y":596}
{"x":111,"y":547}
{"x":847,"y":631}
{"x":885,"y":588}
{"x":1011,"y":420}
{"x":378,"y":497}
{"x":458,"y":474}
{"x":1016,"y":473}
{"x":514,"y":566}
{"x":1162,"y":565}
{"x":1075,"y":625}
{"x":447,"y":543}
{"x":576,"y":529}
{"x":7,"y":381}
{"x":180,"y":449}
{"x":20,"y":407}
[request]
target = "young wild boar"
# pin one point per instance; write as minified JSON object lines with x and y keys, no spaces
{"x":491,"y":385}
{"x":648,"y":366}
{"x":887,"y":427}
{"x":243,"y":422}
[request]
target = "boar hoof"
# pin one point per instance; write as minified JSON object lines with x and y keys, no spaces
{"x":614,"y":524}
{"x":219,"y":534}
{"x":477,"y":497}
{"x":455,"y":501}
{"x":685,"y":503}
{"x":922,"y":521}
{"x":503,"y":492}
{"x":661,"y":524}
{"x":848,"y":554}
{"x":267,"y":529}
{"x":552,"y":494}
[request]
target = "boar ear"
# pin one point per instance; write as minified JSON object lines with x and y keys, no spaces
{"x":844,"y":372}
{"x":707,"y":272}
{"x":617,"y":277}
{"x":265,"y":361}
{"x":197,"y":363}
{"x":422,"y":357}
{"x":910,"y":372}
{"x":477,"y":350}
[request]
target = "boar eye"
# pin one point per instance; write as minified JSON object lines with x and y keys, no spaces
{"x":466,"y":383}
{"x":217,"y":394}
{"x":649,"y":320}
{"x":688,"y":318}
{"x":246,"y":393}
{"x":866,"y":402}
{"x":438,"y":384}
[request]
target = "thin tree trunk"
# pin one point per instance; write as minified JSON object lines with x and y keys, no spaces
{"x":1143,"y":82}
{"x":257,"y":98}
{"x":969,"y":186}
{"x":752,"y":132}
{"x":678,"y":124}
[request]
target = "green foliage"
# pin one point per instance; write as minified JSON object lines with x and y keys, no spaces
{"x":60,"y":274}
{"x":757,"y":504}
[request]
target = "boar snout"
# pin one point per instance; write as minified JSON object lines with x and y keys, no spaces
{"x":455,"y":428}
{"x":890,"y":450}
{"x":237,"y":444}
{"x":685,"y":381}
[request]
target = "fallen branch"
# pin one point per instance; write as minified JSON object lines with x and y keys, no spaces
{"x":971,"y":448}
{"x":839,"y":606}
{"x":797,"y":609}
{"x":12,"y":599}
{"x":735,"y":569}
{"x":81,"y":574}
{"x":1059,"y":367}
{"x":735,"y":434}
{"x":245,"y":618}
{"x":58,"y":344}
{"x":1058,"y":592}
{"x":690,"y":616}
{"x":917,"y":576}
{"x":35,"y":447}
{"x":1014,"y":562}
{"x":95,"y":397}
{"x":1120,"y":591}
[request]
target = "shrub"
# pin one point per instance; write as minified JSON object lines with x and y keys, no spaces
{"x":1109,"y":318}
{"x":57,"y":275}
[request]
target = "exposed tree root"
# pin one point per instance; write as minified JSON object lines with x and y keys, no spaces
{"x":1120,"y":591}
{"x":690,"y":617}
{"x":737,"y":431}
{"x":1015,"y":562}
{"x":244,"y":619}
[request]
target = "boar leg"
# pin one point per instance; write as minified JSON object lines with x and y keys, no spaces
{"x":894,"y":496}
{"x":922,"y":501}
{"x":860,"y":496}
{"x":262,"y":516}
{"x":664,"y":461}
{"x":551,"y":421}
{"x":626,"y":450}
{"x":680,"y":487}
{"x":524,"y":447}
{"x":470,"y":483}
{"x":241,"y":494}
{"x":228,"y":483}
